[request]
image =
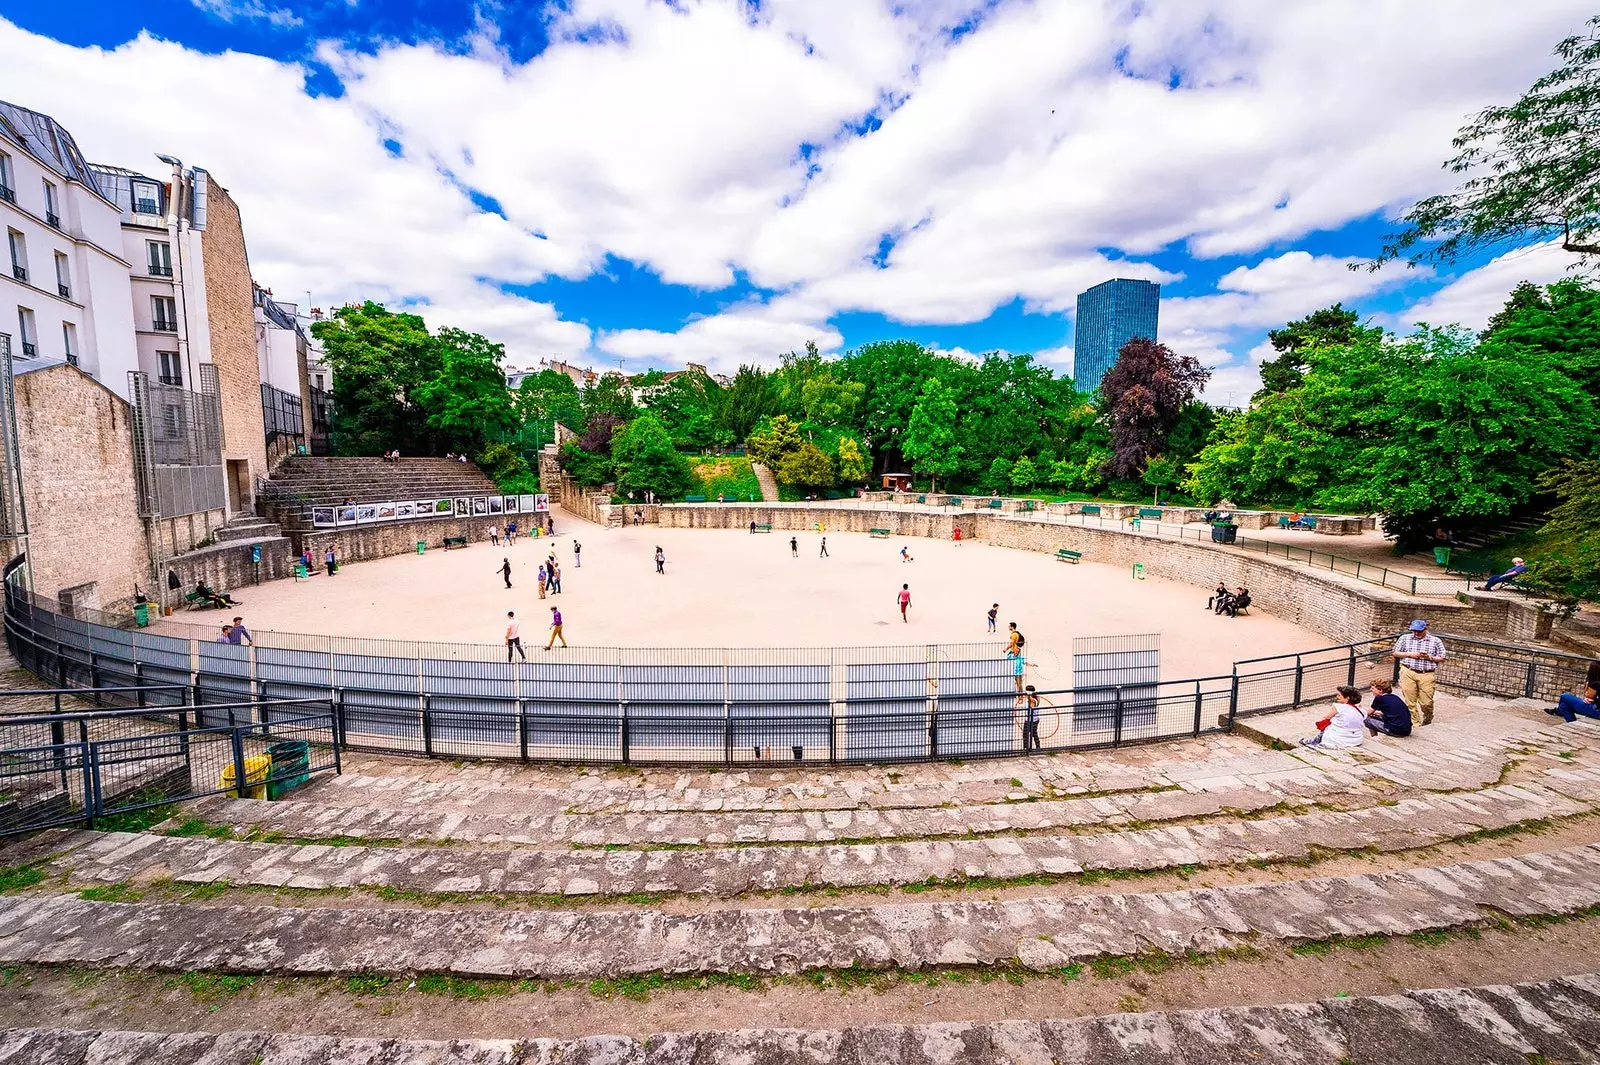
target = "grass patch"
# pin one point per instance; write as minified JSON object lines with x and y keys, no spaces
{"x":470,"y":990}
{"x":368,"y":984}
{"x":121,"y":891}
{"x":19,"y":878}
{"x":211,"y":987}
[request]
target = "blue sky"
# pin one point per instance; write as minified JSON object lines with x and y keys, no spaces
{"x":637,"y":183}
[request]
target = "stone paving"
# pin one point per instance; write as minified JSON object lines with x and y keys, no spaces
{"x":87,"y":858}
{"x":1037,"y":933}
{"x":1551,"y":1021}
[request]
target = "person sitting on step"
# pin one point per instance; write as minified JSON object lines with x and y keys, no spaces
{"x":1571,"y":707}
{"x":1390,"y":715}
{"x":1345,"y":726}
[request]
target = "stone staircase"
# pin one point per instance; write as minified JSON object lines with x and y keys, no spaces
{"x":301,"y":482}
{"x":228,"y":563}
{"x":768,"y":483}
{"x":1200,"y":901}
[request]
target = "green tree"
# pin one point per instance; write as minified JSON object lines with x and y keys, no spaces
{"x":466,"y":401}
{"x":1159,"y":472}
{"x":1296,"y":342}
{"x":853,"y":465}
{"x":807,"y":466}
{"x":646,"y":461}
{"x":929,"y":442}
{"x":891,"y":373}
{"x":1571,"y":565}
{"x":745,"y":403}
{"x":774,"y":442}
{"x":588,"y":468}
{"x":1535,"y":167}
{"x":508,"y":470}
{"x":609,"y":395}
{"x":1142,"y":396}
{"x":549,"y":396}
{"x":998,"y":475}
{"x":1024,"y":475}
{"x":380,"y":360}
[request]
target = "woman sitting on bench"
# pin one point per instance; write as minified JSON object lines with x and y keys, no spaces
{"x":210,"y":597}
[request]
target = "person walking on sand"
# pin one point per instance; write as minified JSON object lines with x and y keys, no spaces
{"x":824,"y":548}
{"x":494,"y":535}
{"x":555,"y":575}
{"x":904,"y":599}
{"x":555,"y":629}
{"x":661,"y":561}
{"x":577,"y":555}
{"x":514,"y":636}
{"x":794,"y":547}
{"x":544,"y":578}
{"x":994,"y":612}
{"x":505,"y":570}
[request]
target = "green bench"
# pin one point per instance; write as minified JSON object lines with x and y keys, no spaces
{"x":1150,"y":512}
{"x":694,"y":499}
{"x":1066,"y":554}
{"x":922,"y":499}
{"x":953,"y":501}
{"x":996,"y":504}
{"x":454,"y":541}
{"x":1092,"y":508}
{"x":1027,"y":505}
{"x":879,"y":534}
{"x":759,"y":527}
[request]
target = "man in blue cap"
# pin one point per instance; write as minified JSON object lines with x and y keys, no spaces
{"x":1419,"y":653}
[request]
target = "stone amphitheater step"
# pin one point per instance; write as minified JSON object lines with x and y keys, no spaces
{"x":1039,"y":934}
{"x":83,"y":859}
{"x":248,"y":528}
{"x":1544,"y":1021}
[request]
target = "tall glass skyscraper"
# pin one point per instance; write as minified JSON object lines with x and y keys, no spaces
{"x":1109,"y":315}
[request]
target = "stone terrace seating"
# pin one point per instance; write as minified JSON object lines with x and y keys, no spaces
{"x":323,"y":480}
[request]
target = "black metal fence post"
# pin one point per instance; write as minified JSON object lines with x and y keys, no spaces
{"x":522,"y":728}
{"x":91,"y":784}
{"x":1350,"y":676}
{"x":1528,"y":686}
{"x":58,"y":740}
{"x":1299,"y":678}
{"x":237,"y":736}
{"x":622,"y":712}
{"x":1199,"y":707}
{"x":1233,"y":699}
{"x":427,"y":724}
{"x":1116,"y":720}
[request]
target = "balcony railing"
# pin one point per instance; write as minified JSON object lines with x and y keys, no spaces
{"x":30,"y":351}
{"x":7,"y":195}
{"x":65,"y":290}
{"x":163,"y":325}
{"x":53,"y":220}
{"x":146,"y":207}
{"x":19,"y":272}
{"x":157,"y":270}
{"x":171,"y":379}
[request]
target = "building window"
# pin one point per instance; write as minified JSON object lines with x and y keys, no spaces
{"x":172,"y":422}
{"x":171,"y":368}
{"x":63,"y":277}
{"x":160,"y":258}
{"x":52,"y":209}
{"x":30,"y":336}
{"x":164,"y":314}
{"x":69,"y":342}
{"x":146,"y":197}
{"x":7,"y":192}
{"x":19,"y":255}
{"x":319,"y":381}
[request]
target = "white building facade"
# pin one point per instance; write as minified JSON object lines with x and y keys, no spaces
{"x":65,"y":289}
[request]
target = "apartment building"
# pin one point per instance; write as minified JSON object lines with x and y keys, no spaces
{"x":64,"y":289}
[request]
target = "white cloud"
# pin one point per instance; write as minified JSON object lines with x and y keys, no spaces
{"x":1472,"y":298}
{"x":231,"y":10}
{"x":1043,"y":151}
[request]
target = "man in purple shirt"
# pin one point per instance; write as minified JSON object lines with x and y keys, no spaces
{"x":239,"y":634}
{"x":555,"y":629}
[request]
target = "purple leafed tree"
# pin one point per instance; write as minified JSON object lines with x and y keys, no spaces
{"x":597,"y":437}
{"x":1141,"y":396}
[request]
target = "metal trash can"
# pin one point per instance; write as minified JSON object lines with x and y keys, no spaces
{"x":422,"y":546}
{"x":1441,"y":555}
{"x":257,"y":767}
{"x":1224,"y":533}
{"x":291,"y":766}
{"x":141,"y":614}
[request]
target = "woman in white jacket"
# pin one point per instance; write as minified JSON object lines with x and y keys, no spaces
{"x":1345,"y":726}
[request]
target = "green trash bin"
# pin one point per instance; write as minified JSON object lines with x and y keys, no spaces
{"x":422,"y":545}
{"x":291,"y":766}
{"x":141,"y":614}
{"x":1441,"y":555}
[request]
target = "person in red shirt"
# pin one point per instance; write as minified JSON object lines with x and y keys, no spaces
{"x":904,"y":598}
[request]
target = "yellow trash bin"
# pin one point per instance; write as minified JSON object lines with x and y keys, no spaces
{"x":257,"y":767}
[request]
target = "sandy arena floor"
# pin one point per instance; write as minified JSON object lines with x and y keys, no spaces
{"x":732,"y":589}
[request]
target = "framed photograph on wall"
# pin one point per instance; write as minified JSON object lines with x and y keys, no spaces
{"x":511,"y":504}
{"x":497,"y":505}
{"x":529,"y":504}
{"x":407,"y":510}
{"x":323,"y":517}
{"x":346,"y":516}
{"x":541,"y":503}
{"x":366,"y":512}
{"x":463,"y":506}
{"x":387,"y":511}
{"x":430,"y":508}
{"x":480,"y":506}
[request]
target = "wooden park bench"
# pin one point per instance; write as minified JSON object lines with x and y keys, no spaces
{"x":1027,"y":505}
{"x":879,"y":534}
{"x":1091,"y":508}
{"x":922,"y":499}
{"x":454,"y":541}
{"x":694,"y":499}
{"x":760,"y":527}
{"x":1150,"y":512}
{"x":996,"y":504}
{"x":1066,"y":554}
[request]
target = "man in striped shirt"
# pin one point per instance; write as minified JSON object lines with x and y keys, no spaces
{"x":1419,"y":653}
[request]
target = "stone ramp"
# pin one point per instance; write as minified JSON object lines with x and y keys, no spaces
{"x":88,"y":858}
{"x":1040,"y":934}
{"x":1546,"y":1021}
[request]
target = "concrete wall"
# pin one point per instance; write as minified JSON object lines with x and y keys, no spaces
{"x":365,"y":542}
{"x":76,"y":442}
{"x":1340,"y":609}
{"x":230,"y":304}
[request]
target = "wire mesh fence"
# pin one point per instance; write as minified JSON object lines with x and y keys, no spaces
{"x":689,"y":706}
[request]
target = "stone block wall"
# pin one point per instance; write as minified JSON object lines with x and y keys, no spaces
{"x":364,"y":542}
{"x":182,"y":533}
{"x":76,"y":444}
{"x":228,"y":567}
{"x":230,"y":307}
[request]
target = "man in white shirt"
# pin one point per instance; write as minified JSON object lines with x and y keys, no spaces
{"x":1419,"y":653}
